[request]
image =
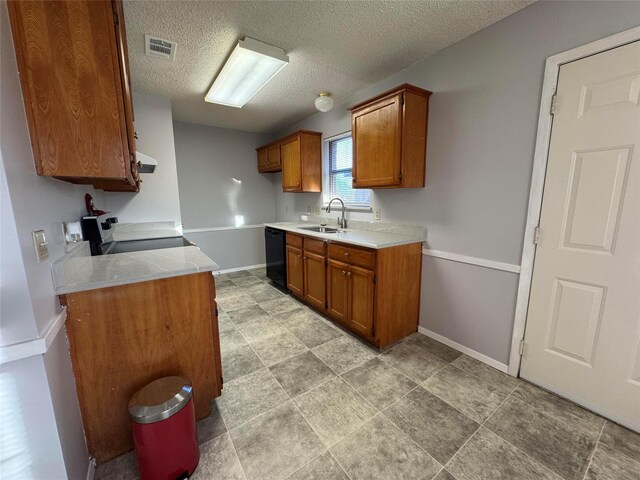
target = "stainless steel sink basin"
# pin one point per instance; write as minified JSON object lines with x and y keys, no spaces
{"x":320,"y":229}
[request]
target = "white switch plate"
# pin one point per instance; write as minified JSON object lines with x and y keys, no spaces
{"x":41,"y":246}
{"x":376,"y":214}
{"x":317,"y":210}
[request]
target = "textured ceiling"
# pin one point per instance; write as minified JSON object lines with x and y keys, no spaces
{"x":338,"y":46}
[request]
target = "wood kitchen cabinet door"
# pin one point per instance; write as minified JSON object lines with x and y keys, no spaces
{"x":274,"y":158}
{"x":390,"y":139}
{"x":291,"y":165}
{"x":263,"y":159}
{"x":315,"y":280}
{"x":73,"y":66}
{"x":295,"y":271}
{"x":338,"y":291}
{"x":361,"y":298}
{"x":377,"y":133}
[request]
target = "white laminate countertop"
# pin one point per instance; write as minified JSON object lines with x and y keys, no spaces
{"x":362,"y":238}
{"x":79,"y":271}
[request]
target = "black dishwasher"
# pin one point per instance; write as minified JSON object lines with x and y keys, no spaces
{"x":275,"y":246}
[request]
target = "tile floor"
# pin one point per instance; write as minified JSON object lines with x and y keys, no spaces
{"x":304,"y":399}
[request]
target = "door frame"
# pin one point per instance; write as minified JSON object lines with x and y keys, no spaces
{"x":543,"y":137}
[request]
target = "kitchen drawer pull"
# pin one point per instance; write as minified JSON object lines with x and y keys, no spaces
{"x":346,"y":254}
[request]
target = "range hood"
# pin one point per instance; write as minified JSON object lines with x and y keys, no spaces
{"x":146,"y":164}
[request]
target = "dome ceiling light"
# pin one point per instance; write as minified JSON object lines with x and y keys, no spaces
{"x":324,"y":102}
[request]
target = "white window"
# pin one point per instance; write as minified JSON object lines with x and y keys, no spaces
{"x":339,"y":151}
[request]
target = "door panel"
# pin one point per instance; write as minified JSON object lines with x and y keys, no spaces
{"x":314,"y":280}
{"x":361,"y":300}
{"x":262,"y":159}
{"x":337,"y":291}
{"x":583,"y":324}
{"x":377,"y":133}
{"x":291,"y":167}
{"x":295,"y":279}
{"x":274,"y":159}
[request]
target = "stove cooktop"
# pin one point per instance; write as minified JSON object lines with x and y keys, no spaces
{"x":141,"y":245}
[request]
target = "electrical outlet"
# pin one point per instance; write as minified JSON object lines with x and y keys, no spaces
{"x":376,"y":214}
{"x":317,"y":210}
{"x":41,"y":245}
{"x":308,"y":210}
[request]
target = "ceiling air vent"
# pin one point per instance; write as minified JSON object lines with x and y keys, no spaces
{"x":158,"y":47}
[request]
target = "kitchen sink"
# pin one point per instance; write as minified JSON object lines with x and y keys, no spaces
{"x":320,"y":229}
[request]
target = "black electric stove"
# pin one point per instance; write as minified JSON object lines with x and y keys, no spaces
{"x":148,"y":244}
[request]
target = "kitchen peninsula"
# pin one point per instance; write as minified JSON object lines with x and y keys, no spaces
{"x":118,"y":344}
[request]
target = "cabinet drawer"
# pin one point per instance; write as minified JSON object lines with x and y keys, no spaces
{"x":313,"y":245}
{"x":352,"y":255}
{"x":294,"y":240}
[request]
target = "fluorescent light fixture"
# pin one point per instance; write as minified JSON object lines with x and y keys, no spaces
{"x":249,"y":68}
{"x":239,"y":220}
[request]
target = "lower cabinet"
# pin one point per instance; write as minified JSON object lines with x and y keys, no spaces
{"x":373,"y":293}
{"x":314,"y":279}
{"x":295,"y":273}
{"x":117,"y":346}
{"x":338,"y":291}
{"x":350,"y":298}
{"x":361,"y":288}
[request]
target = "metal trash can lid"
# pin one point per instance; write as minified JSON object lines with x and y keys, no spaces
{"x":160,"y":399}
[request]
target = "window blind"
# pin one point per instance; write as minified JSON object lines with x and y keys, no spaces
{"x":340,"y":176}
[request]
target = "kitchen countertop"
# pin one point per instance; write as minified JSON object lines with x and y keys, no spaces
{"x":79,"y":271}
{"x":362,"y":238}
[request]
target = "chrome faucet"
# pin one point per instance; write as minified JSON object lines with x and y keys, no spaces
{"x":342,"y":222}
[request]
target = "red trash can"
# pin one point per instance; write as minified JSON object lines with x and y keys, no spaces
{"x":164,"y":429}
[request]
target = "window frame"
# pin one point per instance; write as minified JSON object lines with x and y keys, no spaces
{"x":326,"y":176}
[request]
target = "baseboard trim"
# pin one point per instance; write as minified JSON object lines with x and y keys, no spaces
{"x":237,"y":269}
{"x":91,"y":470}
{"x":466,"y":350}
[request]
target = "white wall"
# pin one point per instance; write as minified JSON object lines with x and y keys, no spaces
{"x":158,"y":199}
{"x":482,"y":129}
{"x":209,"y":159}
{"x":58,"y":451}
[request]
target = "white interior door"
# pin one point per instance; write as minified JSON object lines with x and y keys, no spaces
{"x":582,"y":335}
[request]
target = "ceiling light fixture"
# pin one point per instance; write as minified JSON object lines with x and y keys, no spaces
{"x":249,"y":68}
{"x":324,"y":102}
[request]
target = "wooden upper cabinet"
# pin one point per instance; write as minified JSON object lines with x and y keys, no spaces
{"x":390,"y":139}
{"x":269,"y":159}
{"x":263,"y":159}
{"x":291,"y":165}
{"x":72,"y":59}
{"x":299,"y":156}
{"x":274,"y":158}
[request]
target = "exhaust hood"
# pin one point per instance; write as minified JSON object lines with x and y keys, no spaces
{"x":146,"y":164}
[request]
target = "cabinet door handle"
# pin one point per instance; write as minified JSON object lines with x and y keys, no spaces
{"x":346,"y":254}
{"x":348,"y":274}
{"x":343,"y":272}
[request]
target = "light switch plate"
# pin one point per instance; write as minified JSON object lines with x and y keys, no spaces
{"x":41,"y":245}
{"x":317,"y":210}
